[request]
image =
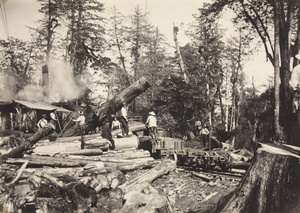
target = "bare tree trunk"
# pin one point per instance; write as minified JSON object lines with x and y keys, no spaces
{"x":276,"y":68}
{"x":122,"y":59}
{"x":178,"y":54}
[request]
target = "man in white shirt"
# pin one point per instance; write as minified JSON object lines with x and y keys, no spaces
{"x":122,"y":117}
{"x":81,"y":122}
{"x":151,"y":124}
{"x":42,"y":122}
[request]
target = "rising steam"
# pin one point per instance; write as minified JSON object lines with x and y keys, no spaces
{"x":62,"y":86}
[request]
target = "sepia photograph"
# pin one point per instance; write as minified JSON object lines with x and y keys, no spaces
{"x":149,"y":106}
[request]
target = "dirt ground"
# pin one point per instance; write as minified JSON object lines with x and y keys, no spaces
{"x":190,"y":194}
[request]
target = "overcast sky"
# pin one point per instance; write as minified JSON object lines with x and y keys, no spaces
{"x":162,"y":13}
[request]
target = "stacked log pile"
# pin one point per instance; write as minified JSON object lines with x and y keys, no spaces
{"x":74,"y":181}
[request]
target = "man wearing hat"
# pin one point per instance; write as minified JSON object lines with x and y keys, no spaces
{"x":81,"y":122}
{"x":151,"y":124}
{"x":42,"y":122}
{"x":122,"y":117}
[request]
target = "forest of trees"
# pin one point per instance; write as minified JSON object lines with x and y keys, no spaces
{"x":84,"y":52}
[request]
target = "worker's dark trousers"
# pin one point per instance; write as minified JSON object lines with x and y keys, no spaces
{"x":205,"y":139}
{"x":82,"y":132}
{"x":124,"y":124}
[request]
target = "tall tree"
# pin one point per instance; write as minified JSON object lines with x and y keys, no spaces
{"x":85,"y":39}
{"x":260,"y":15}
{"x":208,"y":37}
{"x":138,"y":36}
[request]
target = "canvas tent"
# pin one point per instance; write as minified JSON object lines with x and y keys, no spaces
{"x":23,"y":114}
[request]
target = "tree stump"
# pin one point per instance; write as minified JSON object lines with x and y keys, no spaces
{"x":271,"y":184}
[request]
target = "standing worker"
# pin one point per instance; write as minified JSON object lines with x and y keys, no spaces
{"x":81,"y":122}
{"x":122,"y":117}
{"x":106,"y":133}
{"x":53,"y":119}
{"x":115,"y":124}
{"x":205,"y":135}
{"x":151,"y":124}
{"x":42,"y":122}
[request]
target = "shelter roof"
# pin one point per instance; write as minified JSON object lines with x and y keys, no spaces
{"x":41,"y":105}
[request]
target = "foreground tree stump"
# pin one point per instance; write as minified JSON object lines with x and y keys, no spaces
{"x":271,"y":184}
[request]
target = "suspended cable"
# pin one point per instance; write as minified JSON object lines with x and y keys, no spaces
{"x":187,"y":4}
{"x":3,"y":20}
{"x":132,"y":4}
{"x":146,"y":7}
{"x":4,"y":17}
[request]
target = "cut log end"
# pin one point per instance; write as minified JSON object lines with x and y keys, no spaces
{"x":270,"y":185}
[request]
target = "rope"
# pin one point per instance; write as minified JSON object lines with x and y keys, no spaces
{"x":64,"y":127}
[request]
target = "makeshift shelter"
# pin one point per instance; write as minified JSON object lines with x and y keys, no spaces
{"x":24,"y":115}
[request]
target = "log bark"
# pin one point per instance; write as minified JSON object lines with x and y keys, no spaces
{"x":241,"y":165}
{"x":133,"y":127}
{"x":161,"y":169}
{"x":53,"y":148}
{"x":37,"y":160}
{"x":271,"y":184}
{"x":111,"y":107}
{"x":29,"y":142}
{"x":6,"y":132}
{"x":81,"y":196}
{"x":145,"y":199}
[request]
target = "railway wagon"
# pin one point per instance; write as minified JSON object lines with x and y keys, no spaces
{"x":196,"y":158}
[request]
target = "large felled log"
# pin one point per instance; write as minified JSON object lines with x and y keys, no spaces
{"x":29,"y":142}
{"x":53,"y":148}
{"x":49,"y":161}
{"x":145,"y":199}
{"x":271,"y":184}
{"x":140,"y":196}
{"x":133,"y":127}
{"x":111,"y":106}
{"x":164,"y":167}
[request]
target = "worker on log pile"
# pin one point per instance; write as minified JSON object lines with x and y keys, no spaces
{"x":53,"y":119}
{"x":106,"y":133}
{"x":81,"y":122}
{"x":295,"y":84}
{"x":122,"y":117}
{"x":151,"y":124}
{"x":115,"y":123}
{"x":42,"y":122}
{"x":205,"y":136}
{"x":198,"y":127}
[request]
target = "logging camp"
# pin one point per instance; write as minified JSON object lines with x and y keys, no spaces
{"x":21,"y":115}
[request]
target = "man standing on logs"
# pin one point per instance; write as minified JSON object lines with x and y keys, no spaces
{"x":42,"y":122}
{"x":81,"y":122}
{"x":151,"y":124}
{"x":106,"y":133}
{"x":122,"y":117}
